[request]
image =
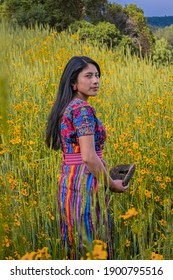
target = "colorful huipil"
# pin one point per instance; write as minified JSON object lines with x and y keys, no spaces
{"x":77,"y":185}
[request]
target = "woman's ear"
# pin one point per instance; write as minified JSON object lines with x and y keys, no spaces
{"x":75,"y":87}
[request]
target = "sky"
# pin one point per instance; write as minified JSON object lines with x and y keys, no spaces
{"x":150,"y":7}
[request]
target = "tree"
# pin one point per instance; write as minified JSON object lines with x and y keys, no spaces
{"x":115,"y":15}
{"x":95,"y":10}
{"x":136,"y":27}
{"x":25,"y":12}
{"x":56,"y":13}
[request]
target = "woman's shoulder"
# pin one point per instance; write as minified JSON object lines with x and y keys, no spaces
{"x":77,"y":103}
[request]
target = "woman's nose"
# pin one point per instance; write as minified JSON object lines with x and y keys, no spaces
{"x":96,"y":80}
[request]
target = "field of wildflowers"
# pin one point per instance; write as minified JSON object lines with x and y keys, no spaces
{"x":135,"y":103}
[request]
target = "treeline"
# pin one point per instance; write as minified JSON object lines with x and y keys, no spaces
{"x":160,"y":22}
{"x":96,"y":21}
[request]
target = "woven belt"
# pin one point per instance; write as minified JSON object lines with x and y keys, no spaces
{"x":70,"y":159}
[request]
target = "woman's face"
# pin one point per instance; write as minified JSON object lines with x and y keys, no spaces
{"x":88,"y":82}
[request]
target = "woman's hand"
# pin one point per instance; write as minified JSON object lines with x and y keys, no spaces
{"x":96,"y":166}
{"x":117,"y":186}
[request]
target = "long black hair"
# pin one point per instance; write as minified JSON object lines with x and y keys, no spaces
{"x":65,"y":94}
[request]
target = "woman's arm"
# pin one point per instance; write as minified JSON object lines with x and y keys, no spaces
{"x":95,"y":165}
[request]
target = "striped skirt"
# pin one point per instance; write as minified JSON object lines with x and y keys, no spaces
{"x":82,"y":204}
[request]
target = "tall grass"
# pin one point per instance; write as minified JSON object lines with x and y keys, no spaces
{"x":135,"y":105}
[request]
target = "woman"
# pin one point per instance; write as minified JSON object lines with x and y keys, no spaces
{"x":74,"y":128}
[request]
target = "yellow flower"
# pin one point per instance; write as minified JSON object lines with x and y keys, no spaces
{"x":16,"y":140}
{"x":39,"y":255}
{"x":24,"y":239}
{"x":29,"y":256}
{"x":130,"y":213}
{"x":6,"y":242}
{"x":160,"y":101}
{"x":132,"y":192}
{"x":51,"y":216}
{"x":34,"y":203}
{"x":144,"y":171}
{"x":31,"y":142}
{"x":168,"y":134}
{"x":148,"y":194}
{"x":157,"y":198}
{"x":88,"y":256}
{"x":163,"y":236}
{"x":9,"y":258}
{"x":58,"y":176}
{"x":51,"y":102}
{"x":100,"y":242}
{"x":23,"y":158}
{"x":17,"y":222}
{"x":135,"y":145}
{"x":158,"y":179}
{"x":6,"y":227}
{"x":128,"y":242}
{"x":138,"y":121}
{"x":126,"y":144}
{"x":155,"y":256}
{"x":163,"y":186}
{"x":116,"y":146}
{"x":43,"y":254}
{"x":17,"y":255}
{"x":75,"y":36}
{"x":167,"y":179}
{"x":99,"y":251}
{"x":139,"y":180}
{"x":4,"y":151}
{"x":130,"y":152}
{"x":24,"y":192}
{"x":162,"y":222}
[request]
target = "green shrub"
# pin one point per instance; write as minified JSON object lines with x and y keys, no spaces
{"x":77,"y":25}
{"x":166,"y":33}
{"x":103,"y":33}
{"x":162,"y":54}
{"x":128,"y":44}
